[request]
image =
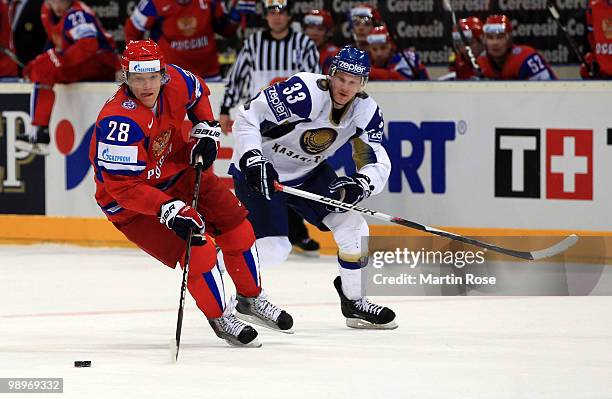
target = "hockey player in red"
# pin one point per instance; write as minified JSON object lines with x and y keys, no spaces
{"x":80,"y":50}
{"x":8,"y":67}
{"x":185,"y":30}
{"x":459,"y":60}
{"x":504,"y":60}
{"x":141,"y":153}
{"x":599,"y":26}
{"x":364,"y":17}
{"x":388,"y":64}
{"x":319,"y":26}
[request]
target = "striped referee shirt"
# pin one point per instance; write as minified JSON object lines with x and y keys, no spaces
{"x":264,"y":60}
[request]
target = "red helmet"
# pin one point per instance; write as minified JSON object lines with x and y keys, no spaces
{"x":379,"y":35}
{"x":497,"y":23}
{"x":319,"y":17}
{"x":366,"y":12}
{"x":142,"y":56}
{"x":471,"y":26}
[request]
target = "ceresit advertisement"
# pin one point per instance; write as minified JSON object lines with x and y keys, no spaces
{"x":531,"y":155}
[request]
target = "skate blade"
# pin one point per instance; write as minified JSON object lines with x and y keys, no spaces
{"x":253,"y":344}
{"x":307,"y":254}
{"x":366,"y":325}
{"x":254,"y":320}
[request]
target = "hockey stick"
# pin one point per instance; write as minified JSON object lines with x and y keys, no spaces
{"x":555,"y":14}
{"x":449,"y":7}
{"x":12,"y":56}
{"x":175,"y":343}
{"x":529,"y":255}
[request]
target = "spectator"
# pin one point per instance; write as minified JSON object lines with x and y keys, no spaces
{"x":185,"y":30}
{"x":29,"y":35}
{"x":459,"y":60}
{"x":319,"y":26}
{"x":388,"y":63}
{"x":599,"y":27}
{"x":364,"y":18}
{"x":8,"y":67}
{"x":80,"y":50}
{"x":504,"y":60}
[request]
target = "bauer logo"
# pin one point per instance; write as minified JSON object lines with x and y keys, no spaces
{"x":569,"y":163}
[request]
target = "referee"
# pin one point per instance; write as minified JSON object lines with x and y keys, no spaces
{"x":269,"y":56}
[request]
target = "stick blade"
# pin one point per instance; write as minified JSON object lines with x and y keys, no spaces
{"x":556,"y":249}
{"x":173,"y":351}
{"x":446,"y":4}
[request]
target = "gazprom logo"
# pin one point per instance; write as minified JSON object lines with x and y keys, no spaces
{"x":348,"y":67}
{"x":118,"y":154}
{"x":107,"y":156}
{"x":144,"y":66}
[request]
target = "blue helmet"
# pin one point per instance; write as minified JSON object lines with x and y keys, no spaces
{"x":353,"y":61}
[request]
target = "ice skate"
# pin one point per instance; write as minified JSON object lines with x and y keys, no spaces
{"x":232,"y":330}
{"x":258,"y":310}
{"x":361,"y":313}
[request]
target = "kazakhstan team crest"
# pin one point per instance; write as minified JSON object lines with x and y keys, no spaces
{"x":316,"y":141}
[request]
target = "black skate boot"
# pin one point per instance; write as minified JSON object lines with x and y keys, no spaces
{"x":232,"y":330}
{"x":36,"y":141}
{"x":364,"y":314}
{"x":306,"y":247}
{"x":258,"y":310}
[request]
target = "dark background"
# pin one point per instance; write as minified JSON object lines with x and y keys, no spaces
{"x":422,"y":24}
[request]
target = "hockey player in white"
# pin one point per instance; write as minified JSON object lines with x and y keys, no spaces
{"x":285,"y":134}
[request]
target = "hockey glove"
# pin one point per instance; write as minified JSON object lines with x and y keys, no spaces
{"x":259,"y":172}
{"x":205,"y":136}
{"x":350,"y":189}
{"x":180,"y":217}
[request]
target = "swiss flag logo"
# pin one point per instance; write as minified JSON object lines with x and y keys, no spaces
{"x":569,"y":164}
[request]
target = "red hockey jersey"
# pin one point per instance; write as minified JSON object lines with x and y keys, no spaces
{"x":326,"y":55}
{"x":78,"y":35}
{"x":138,"y":152}
{"x":185,"y":32}
{"x":599,"y":26}
{"x":7,"y":66}
{"x":522,"y":63}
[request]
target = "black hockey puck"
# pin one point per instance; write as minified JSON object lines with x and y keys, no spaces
{"x":82,"y":363}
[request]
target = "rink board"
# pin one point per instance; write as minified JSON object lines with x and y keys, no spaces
{"x":478,"y":156}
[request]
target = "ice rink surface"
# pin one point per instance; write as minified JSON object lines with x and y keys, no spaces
{"x":117,"y":308}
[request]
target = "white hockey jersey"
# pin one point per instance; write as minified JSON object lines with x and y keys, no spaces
{"x":291,"y":123}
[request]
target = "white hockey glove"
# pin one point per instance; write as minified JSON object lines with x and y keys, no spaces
{"x":180,"y":217}
{"x":205,"y":138}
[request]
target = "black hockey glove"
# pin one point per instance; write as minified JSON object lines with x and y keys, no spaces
{"x":259,"y":172}
{"x":205,"y":136}
{"x":350,"y":189}
{"x":180,"y":217}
